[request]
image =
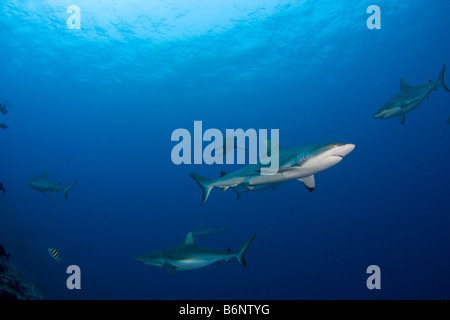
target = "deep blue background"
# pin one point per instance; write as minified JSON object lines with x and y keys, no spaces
{"x":101,"y":103}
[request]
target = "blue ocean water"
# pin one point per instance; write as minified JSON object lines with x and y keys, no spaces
{"x":100,"y":103}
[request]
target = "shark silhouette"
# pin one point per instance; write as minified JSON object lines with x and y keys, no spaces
{"x":189,"y":256}
{"x":409,"y":98}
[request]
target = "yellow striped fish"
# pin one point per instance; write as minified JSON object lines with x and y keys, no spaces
{"x":54,"y":253}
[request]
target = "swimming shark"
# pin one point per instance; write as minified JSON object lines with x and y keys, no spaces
{"x":206,"y":231}
{"x":409,"y":98}
{"x":298,"y":163}
{"x":189,"y":256}
{"x":43,"y":184}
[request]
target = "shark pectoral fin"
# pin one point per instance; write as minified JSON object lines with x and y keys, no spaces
{"x":224,"y":189}
{"x":309,"y":182}
{"x":169,"y":268}
{"x":402,"y":118}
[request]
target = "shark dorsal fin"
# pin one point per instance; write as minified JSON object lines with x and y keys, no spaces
{"x":189,"y":240}
{"x":223,"y":173}
{"x":44,"y":174}
{"x":403,"y":84}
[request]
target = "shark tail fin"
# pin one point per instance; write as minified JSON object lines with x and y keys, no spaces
{"x":441,"y":78}
{"x":240,"y":255}
{"x":204,"y":184}
{"x":66,"y":189}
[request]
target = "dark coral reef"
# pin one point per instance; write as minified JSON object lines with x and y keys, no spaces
{"x":13,"y":286}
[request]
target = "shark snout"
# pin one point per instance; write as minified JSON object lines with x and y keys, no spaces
{"x":344,"y":149}
{"x":378,"y":115}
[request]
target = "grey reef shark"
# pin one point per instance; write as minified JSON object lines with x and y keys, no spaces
{"x":189,"y":256}
{"x":297,"y":163}
{"x":43,"y":184}
{"x":409,"y":98}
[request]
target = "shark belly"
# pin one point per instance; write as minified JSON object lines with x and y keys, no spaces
{"x":199,"y":260}
{"x":191,"y":264}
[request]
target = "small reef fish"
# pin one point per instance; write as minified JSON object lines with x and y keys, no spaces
{"x":3,"y":126}
{"x":54,"y":254}
{"x":2,"y":188}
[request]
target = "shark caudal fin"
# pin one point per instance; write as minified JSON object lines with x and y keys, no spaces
{"x":204,"y":184}
{"x":66,"y":189}
{"x":240,"y":255}
{"x":441,"y":78}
